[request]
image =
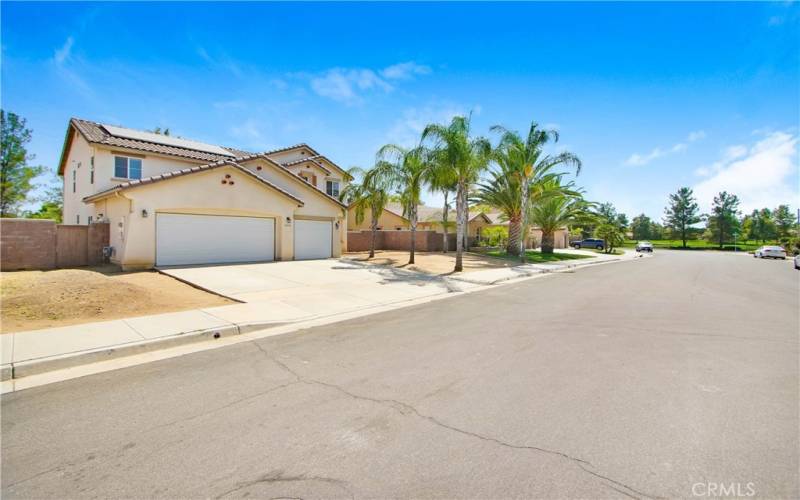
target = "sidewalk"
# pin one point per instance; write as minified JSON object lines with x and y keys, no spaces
{"x":359,"y":289}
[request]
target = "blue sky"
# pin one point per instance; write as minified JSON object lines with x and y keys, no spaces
{"x":651,"y":96}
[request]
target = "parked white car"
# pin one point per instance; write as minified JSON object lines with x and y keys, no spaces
{"x":772,"y":252}
{"x":797,"y":261}
{"x":644,"y":246}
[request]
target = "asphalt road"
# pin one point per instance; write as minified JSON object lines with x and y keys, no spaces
{"x":661,"y":377}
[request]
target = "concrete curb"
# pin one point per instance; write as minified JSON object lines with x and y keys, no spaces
{"x":534,"y":272}
{"x":18,"y":370}
{"x":40,"y":365}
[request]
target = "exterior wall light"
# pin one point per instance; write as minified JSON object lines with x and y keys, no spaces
{"x":144,"y":213}
{"x":288,"y":220}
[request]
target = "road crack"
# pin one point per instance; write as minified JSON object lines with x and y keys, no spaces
{"x":407,"y":409}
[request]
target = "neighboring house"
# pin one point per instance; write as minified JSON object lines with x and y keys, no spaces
{"x":173,"y":201}
{"x":428,"y":219}
{"x":534,"y":239}
{"x":390,"y":219}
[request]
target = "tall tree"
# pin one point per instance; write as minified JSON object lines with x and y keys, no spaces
{"x":785,"y":221}
{"x":759,"y":226}
{"x":405,"y":170}
{"x":682,"y":212}
{"x":465,"y":157}
{"x":642,"y":227}
{"x":15,"y":172}
{"x":371,"y":195}
{"x":723,"y":220}
{"x":522,"y":166}
{"x":52,"y":206}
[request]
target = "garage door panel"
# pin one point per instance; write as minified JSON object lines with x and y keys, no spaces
{"x":313,"y":239}
{"x":183,"y":239}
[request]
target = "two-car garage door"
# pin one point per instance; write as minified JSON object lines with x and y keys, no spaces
{"x":185,"y":239}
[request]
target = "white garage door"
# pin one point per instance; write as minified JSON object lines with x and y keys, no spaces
{"x":209,"y":239}
{"x":312,"y":239}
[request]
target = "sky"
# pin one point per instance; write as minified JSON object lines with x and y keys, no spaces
{"x":650,"y":96}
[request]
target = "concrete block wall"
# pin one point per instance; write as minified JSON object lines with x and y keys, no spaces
{"x":43,"y":244}
{"x":426,"y":241}
{"x":27,"y":244}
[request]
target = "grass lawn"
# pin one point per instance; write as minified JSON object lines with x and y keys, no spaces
{"x":741,"y":246}
{"x":536,"y":257}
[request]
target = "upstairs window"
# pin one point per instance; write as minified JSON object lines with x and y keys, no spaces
{"x":127,"y":168}
{"x":73,"y":181}
{"x":332,"y":188}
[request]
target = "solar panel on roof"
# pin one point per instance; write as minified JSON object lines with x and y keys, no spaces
{"x":166,"y":140}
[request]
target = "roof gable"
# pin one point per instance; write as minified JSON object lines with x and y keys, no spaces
{"x":188,"y":171}
{"x":283,"y":170}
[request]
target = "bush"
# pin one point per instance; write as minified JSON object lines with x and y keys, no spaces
{"x":494,"y":236}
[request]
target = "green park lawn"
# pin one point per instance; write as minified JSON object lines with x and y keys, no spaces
{"x":741,"y":246}
{"x":536,"y":257}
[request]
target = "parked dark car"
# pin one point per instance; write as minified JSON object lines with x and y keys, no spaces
{"x":589,"y":243}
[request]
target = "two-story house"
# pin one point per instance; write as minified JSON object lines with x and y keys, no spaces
{"x":174,"y":201}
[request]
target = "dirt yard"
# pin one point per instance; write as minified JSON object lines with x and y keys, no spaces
{"x":45,"y":299}
{"x":431,"y":262}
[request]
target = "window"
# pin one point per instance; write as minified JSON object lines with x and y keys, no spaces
{"x":127,"y":168}
{"x":91,"y":171}
{"x":78,"y":219}
{"x":332,"y":188}
{"x":90,"y":220}
{"x":73,"y":181}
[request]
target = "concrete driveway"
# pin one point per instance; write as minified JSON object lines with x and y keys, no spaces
{"x":310,"y":288}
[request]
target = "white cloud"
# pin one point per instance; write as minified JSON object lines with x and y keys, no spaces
{"x":345,"y":85}
{"x":406,"y":131}
{"x":70,"y":69}
{"x":404,"y":71}
{"x":696,"y":135}
{"x":761,"y":176}
{"x":348,"y":85}
{"x":638,"y":160}
{"x":63,"y":54}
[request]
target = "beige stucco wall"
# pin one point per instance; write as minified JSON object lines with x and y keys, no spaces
{"x":133,"y":236}
{"x":387,"y":221}
{"x":291,"y":155}
{"x":78,"y":161}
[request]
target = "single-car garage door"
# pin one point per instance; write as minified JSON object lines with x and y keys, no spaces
{"x":313,"y":239}
{"x":209,"y":239}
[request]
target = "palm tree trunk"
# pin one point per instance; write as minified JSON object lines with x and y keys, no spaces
{"x":413,"y":216}
{"x":444,"y":223}
{"x":512,"y":246}
{"x":461,"y":219}
{"x":524,"y":220}
{"x":374,"y":227}
{"x":548,"y":239}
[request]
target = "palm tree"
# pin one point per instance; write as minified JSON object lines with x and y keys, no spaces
{"x":371,"y":194}
{"x":440,"y":179}
{"x":556,"y":206}
{"x":462,"y":158}
{"x":522,"y":168}
{"x":404,"y":170}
